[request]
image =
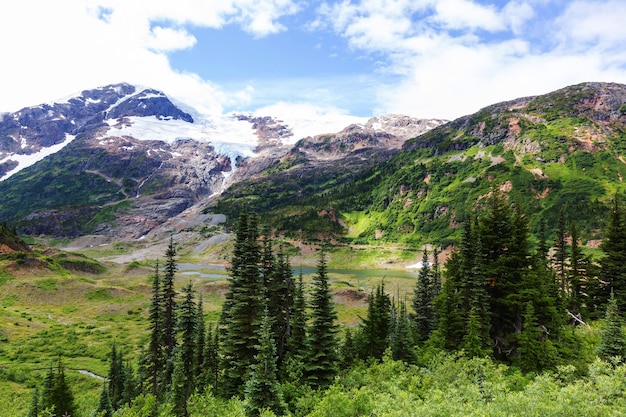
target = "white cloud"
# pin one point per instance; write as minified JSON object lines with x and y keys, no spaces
{"x":51,"y":50}
{"x":594,"y":22}
{"x":169,"y":39}
{"x":438,"y":58}
{"x":464,"y":14}
{"x":305,"y":119}
{"x":455,"y":56}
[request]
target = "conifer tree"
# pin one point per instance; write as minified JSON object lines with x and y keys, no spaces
{"x":518,"y":262}
{"x":377,"y":325}
{"x":612,"y":338}
{"x":435,"y":282}
{"x":473,"y":340}
{"x":178,"y":388}
{"x":529,"y":355}
{"x":297,"y":342}
{"x":575,"y":273}
{"x":268,"y":260}
{"x":280,"y":298}
{"x":560,"y":255}
{"x":199,"y":341}
{"x":478,"y":306}
{"x":464,"y":294}
{"x":130,"y":389}
{"x":116,"y":377}
{"x":244,"y":303}
{"x":57,"y":394}
{"x":542,"y":245}
{"x":154,"y":360}
{"x":187,"y":328}
{"x":449,"y":304}
{"x":33,"y":409}
{"x":348,"y":349}
{"x":262,"y":390}
{"x":423,"y":301}
{"x":168,"y":299}
{"x":495,"y":232}
{"x":105,"y":409}
{"x":322,"y":356}
{"x":402,"y":339}
{"x":211,"y":362}
{"x":48,"y":387}
{"x":613,"y":264}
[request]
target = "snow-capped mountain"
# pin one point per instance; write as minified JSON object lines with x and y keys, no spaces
{"x":133,"y":145}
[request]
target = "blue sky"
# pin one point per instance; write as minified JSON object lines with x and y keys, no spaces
{"x":425,"y":58}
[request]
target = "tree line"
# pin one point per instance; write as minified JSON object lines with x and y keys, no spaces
{"x":500,"y":295}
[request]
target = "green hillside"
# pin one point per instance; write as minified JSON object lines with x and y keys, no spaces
{"x":561,"y":151}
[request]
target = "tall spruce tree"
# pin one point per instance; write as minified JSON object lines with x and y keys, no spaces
{"x":423,"y":300}
{"x":280,"y":299}
{"x":187,"y":328}
{"x":529,"y":355}
{"x":449,"y":304}
{"x":402,"y":348}
{"x":210,"y":366}
{"x":542,"y":245}
{"x":199,"y":342}
{"x":242,"y":308}
{"x":612,"y":338}
{"x":298,"y":319}
{"x":154,"y":356}
{"x":57,"y":394}
{"x":473,"y":339}
{"x":436,"y":281}
{"x":168,"y":300}
{"x":322,"y":353}
{"x":575,"y":277}
{"x":33,"y":409}
{"x":464,"y":294}
{"x":178,"y":388}
{"x":116,"y":377}
{"x":105,"y":409}
{"x":130,"y":384}
{"x":377,"y":325}
{"x":613,"y":263}
{"x":348,"y":349}
{"x":47,"y":389}
{"x":559,"y":259}
{"x":495,"y":232}
{"x":262,"y":390}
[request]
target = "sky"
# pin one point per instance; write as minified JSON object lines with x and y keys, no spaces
{"x":424,"y":58}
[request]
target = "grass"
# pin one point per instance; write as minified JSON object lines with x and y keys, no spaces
{"x":78,"y":315}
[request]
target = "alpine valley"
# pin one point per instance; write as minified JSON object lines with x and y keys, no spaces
{"x":135,"y":280}
{"x":126,"y":162}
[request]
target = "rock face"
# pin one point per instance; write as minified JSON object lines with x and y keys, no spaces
{"x":121,"y":160}
{"x":383,"y":132}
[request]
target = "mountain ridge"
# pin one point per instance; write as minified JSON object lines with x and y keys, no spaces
{"x":131,"y":158}
{"x":558,"y":151}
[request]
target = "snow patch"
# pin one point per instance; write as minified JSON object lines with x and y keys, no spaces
{"x":229,"y":136}
{"x":418,"y":265}
{"x":24,"y":161}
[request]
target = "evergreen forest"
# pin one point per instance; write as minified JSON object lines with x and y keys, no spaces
{"x":509,"y":324}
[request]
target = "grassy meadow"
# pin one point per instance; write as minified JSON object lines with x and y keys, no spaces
{"x":55,"y":304}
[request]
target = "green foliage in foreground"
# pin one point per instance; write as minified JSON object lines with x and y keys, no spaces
{"x":448,"y":385}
